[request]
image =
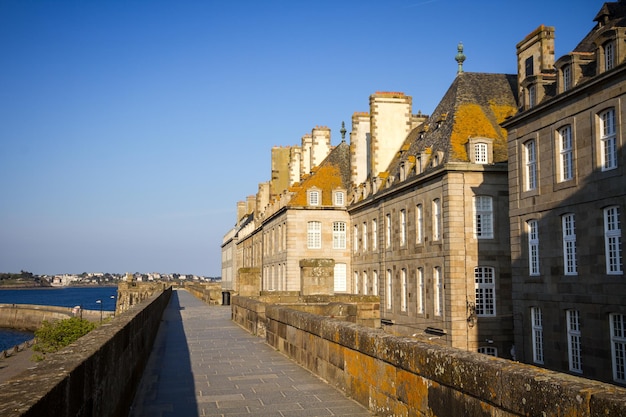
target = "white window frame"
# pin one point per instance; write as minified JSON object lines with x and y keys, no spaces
{"x":374,"y":282}
{"x":536,"y":320}
{"x":339,"y":198}
{"x":574,"y":351}
{"x":488,"y":350}
{"x":532,"y":227}
{"x":566,"y":153}
{"x":617,"y":324}
{"x":613,"y":240}
{"x":314,"y":235}
{"x":364,"y":236}
{"x":314,"y":198}
{"x":419,"y":223}
{"x":481,"y":152}
{"x":388,"y":290}
{"x":483,"y":217}
{"x":567,"y":77}
{"x":403,"y":227}
{"x":436,"y":219}
{"x":365,"y":283}
{"x":485,"y":284}
{"x":609,"y":55}
{"x":374,"y":234}
{"x":388,"y":230}
{"x":404,"y":293}
{"x":530,"y":168}
{"x":532,"y":96}
{"x":438,"y":291}
{"x":339,"y":235}
{"x":608,"y":139}
{"x":355,"y":242}
{"x":420,"y":290}
{"x":570,"y":265}
{"x":356,"y":282}
{"x":340,"y":277}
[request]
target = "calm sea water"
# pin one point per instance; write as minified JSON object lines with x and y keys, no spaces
{"x":61,"y":297}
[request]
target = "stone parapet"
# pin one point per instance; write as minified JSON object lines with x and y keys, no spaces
{"x":210,"y":293}
{"x":396,"y":376}
{"x":95,"y":376}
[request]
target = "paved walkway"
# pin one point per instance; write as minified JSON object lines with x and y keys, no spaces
{"x":203,"y":364}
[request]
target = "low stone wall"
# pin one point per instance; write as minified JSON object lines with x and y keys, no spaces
{"x":210,"y":293}
{"x":95,"y":376}
{"x":395,"y":376}
{"x":29,"y":316}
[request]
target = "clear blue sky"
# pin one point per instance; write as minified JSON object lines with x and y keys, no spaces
{"x":130,"y":129}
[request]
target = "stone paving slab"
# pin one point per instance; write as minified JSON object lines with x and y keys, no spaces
{"x":203,"y":364}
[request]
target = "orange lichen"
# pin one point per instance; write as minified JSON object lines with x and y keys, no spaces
{"x":325,"y":178}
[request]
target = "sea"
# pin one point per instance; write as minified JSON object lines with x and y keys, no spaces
{"x":61,"y":297}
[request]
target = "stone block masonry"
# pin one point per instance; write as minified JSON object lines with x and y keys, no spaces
{"x":95,"y":376}
{"x":395,"y":376}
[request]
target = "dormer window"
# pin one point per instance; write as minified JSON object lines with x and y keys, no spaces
{"x":567,"y":77}
{"x":480,"y":153}
{"x":402,"y":171}
{"x":314,"y":198}
{"x":339,"y":198}
{"x":609,"y":55}
{"x":480,"y":150}
{"x":532,"y":96}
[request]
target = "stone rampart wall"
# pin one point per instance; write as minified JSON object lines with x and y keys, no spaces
{"x":95,"y":376}
{"x":395,"y":376}
{"x":30,"y":317}
{"x":210,"y":293}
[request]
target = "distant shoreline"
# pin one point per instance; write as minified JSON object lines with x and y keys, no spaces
{"x":49,"y":287}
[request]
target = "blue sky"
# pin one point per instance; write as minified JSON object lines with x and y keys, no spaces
{"x":130,"y":129}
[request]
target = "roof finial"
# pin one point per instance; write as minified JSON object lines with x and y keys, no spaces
{"x":343,"y":131}
{"x":460,"y":57}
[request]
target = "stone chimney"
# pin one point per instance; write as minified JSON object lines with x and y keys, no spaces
{"x":320,"y":147}
{"x":390,"y":123}
{"x":359,"y":145}
{"x":280,"y":169}
{"x":241,"y":211}
{"x":262,"y":198}
{"x":535,"y":65}
{"x":305,"y":165}
{"x":295,"y":163}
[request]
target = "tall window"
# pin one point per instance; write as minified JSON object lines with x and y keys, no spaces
{"x":569,"y":244}
{"x":485,"y":291}
{"x":436,"y":219}
{"x":480,"y":153}
{"x":483,"y":217}
{"x":402,"y":227}
{"x":355,"y":244}
{"x":339,"y":198}
{"x":375,"y":282}
{"x":339,"y":235}
{"x":608,"y":141}
{"x":314,"y":235}
{"x":609,"y":55}
{"x":573,"y":341}
{"x":419,"y":224}
{"x":374,"y":235}
{"x":356,"y":282}
{"x":537,"y":336}
{"x":530,"y":156}
{"x":364,"y":236}
{"x":365,"y":283}
{"x":566,"y":154}
{"x":340,"y":273}
{"x":613,"y":240}
{"x":618,"y":346}
{"x":388,"y":295}
{"x":404,"y":297}
{"x":533,"y":247}
{"x":567,"y":77}
{"x":488,"y":350}
{"x":438,"y":281}
{"x":420,"y":291}
{"x":532,"y":96}
{"x":388,"y":230}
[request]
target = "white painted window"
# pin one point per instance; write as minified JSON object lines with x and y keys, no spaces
{"x":485,"y":285}
{"x":364,"y":236}
{"x":374,"y":235}
{"x":402,"y":227}
{"x":570,"y":266}
{"x":438,"y":281}
{"x":618,"y":346}
{"x":536,"y":320}
{"x":355,"y":244}
{"x":340,"y":273}
{"x":573,"y":341}
{"x":388,"y":230}
{"x":566,"y":154}
{"x":420,"y":291}
{"x":436,"y":219}
{"x":608,"y":140}
{"x":567,"y":77}
{"x":314,"y":235}
{"x":374,"y":282}
{"x":488,"y":350}
{"x":480,"y":153}
{"x":483,"y":217}
{"x":314,"y":198}
{"x":404,"y":297}
{"x":388,"y":288}
{"x":530,"y":158}
{"x":365,"y":283}
{"x":339,"y":198}
{"x":356,"y":282}
{"x":532,"y":96}
{"x":609,"y":55}
{"x":419,"y":224}
{"x":533,"y":247}
{"x":613,"y":240}
{"x":339,"y":235}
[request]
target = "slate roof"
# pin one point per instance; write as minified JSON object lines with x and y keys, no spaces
{"x":332,"y":173}
{"x":474,"y":106}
